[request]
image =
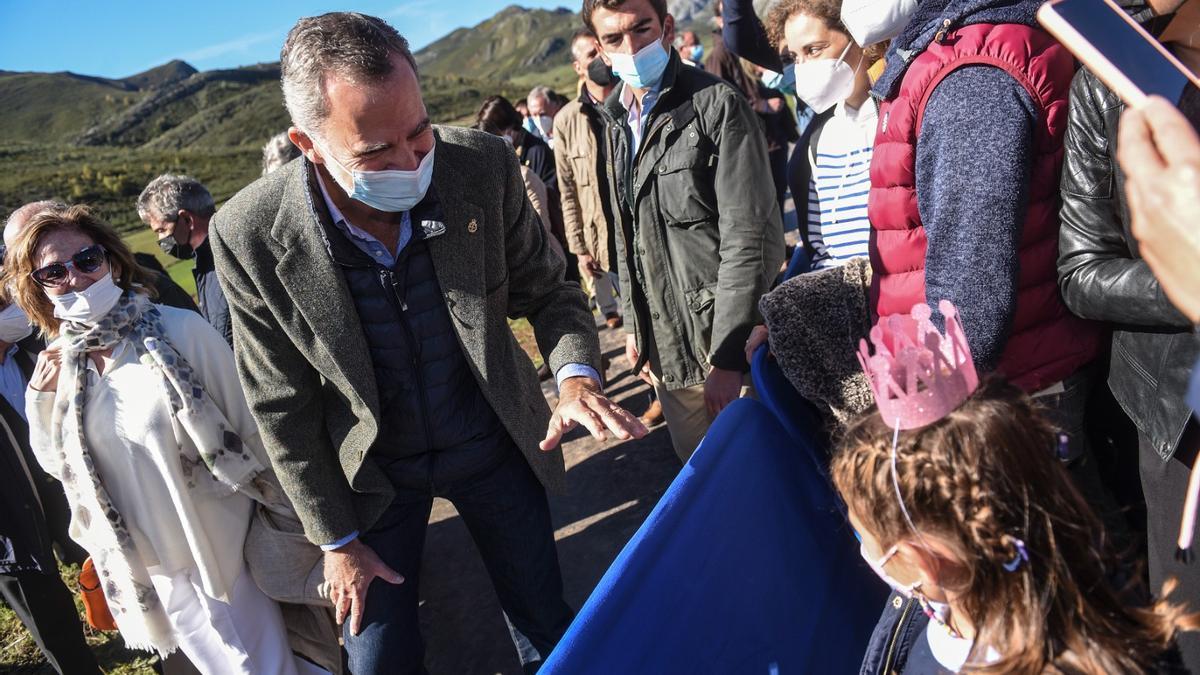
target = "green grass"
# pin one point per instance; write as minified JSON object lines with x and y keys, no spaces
{"x":110,"y":179}
{"x":19,"y":653}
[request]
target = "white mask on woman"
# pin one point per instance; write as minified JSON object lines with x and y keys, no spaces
{"x":89,"y":305}
{"x":824,"y":82}
{"x":14,"y":325}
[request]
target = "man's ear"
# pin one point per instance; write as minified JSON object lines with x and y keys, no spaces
{"x":668,"y":32}
{"x":307,"y":148}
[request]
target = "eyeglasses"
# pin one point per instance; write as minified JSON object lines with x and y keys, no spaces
{"x":86,"y":261}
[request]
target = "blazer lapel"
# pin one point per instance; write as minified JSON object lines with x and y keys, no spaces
{"x":318,"y":289}
{"x":458,"y":259}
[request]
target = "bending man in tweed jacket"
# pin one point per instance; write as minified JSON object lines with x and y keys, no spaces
{"x":370,"y":285}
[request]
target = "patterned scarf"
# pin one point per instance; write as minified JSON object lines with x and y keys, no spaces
{"x":212,"y":455}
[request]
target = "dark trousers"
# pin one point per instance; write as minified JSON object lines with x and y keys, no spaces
{"x":1067,"y":411}
{"x":505,"y":509}
{"x":45,"y":606}
{"x":1164,"y":484}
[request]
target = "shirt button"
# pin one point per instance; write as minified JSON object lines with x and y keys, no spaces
{"x":378,"y":254}
{"x":897,"y":602}
{"x":669,"y":378}
{"x":654,"y":315}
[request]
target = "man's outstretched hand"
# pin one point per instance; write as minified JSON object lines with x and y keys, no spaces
{"x":581,"y":401}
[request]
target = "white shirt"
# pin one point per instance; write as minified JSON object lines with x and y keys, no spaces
{"x":639,"y":113}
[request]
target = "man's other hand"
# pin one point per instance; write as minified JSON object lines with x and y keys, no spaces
{"x":721,"y":388}
{"x":349,"y":571}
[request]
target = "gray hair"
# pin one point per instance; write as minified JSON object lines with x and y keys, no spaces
{"x":169,"y":194}
{"x":541,"y":91}
{"x":278,"y":151}
{"x":353,"y":46}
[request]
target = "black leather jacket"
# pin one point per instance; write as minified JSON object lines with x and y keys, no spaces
{"x":1103,"y":277}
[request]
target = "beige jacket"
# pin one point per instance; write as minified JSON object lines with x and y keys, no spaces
{"x":577,"y":158}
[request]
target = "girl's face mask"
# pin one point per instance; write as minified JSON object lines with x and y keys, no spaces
{"x":877,"y":564}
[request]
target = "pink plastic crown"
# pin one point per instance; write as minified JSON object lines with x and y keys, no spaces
{"x":918,"y":375}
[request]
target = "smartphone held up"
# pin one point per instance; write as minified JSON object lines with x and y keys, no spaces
{"x":1117,"y":49}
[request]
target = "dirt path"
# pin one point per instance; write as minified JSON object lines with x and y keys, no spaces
{"x":612,"y":488}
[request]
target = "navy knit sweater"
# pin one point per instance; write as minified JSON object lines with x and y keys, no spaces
{"x":974,"y":155}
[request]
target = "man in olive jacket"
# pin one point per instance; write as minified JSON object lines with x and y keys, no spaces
{"x":370,"y":285}
{"x":698,"y":224}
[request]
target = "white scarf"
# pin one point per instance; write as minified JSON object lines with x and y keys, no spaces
{"x":221,"y":458}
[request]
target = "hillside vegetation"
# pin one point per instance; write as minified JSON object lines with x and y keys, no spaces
{"x":79,"y":138}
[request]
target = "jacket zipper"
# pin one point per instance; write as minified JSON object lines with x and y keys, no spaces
{"x":887,"y":661}
{"x":388,"y":279}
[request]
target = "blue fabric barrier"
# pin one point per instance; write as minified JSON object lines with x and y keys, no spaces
{"x":793,"y":412}
{"x":800,"y":262}
{"x":744,"y":566}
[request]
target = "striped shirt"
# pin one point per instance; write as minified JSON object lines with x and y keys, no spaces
{"x":838,"y":228}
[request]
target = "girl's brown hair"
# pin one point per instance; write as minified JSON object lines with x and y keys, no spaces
{"x":979,"y":480}
{"x":19,"y":262}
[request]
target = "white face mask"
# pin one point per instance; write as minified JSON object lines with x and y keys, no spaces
{"x":89,"y":305}
{"x":877,"y":567}
{"x":390,"y":191}
{"x":14,"y":325}
{"x":824,"y":82}
{"x":873,"y":21}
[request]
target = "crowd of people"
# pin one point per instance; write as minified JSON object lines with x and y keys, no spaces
{"x":989,"y":246}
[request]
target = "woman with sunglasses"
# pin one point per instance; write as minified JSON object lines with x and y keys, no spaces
{"x":137,"y":409}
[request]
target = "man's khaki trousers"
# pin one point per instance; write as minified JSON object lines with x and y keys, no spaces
{"x":686,"y":415}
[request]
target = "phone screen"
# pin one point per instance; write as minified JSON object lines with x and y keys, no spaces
{"x":1129,"y":50}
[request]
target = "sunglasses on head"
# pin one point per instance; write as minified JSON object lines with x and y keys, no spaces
{"x":86,"y":261}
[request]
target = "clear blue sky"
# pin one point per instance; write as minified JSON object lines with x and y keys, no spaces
{"x":118,"y":38}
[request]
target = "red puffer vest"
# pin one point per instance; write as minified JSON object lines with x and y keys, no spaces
{"x":1047,"y":343}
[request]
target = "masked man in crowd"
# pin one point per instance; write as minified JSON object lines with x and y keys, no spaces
{"x":178,"y":209}
{"x":370,"y":285}
{"x":698,"y":226}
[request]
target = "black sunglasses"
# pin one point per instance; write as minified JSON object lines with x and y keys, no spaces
{"x":86,"y":261}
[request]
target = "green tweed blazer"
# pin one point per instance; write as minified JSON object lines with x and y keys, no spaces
{"x":301,"y":353}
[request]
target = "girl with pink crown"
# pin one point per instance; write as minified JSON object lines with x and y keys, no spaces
{"x":997,"y":563}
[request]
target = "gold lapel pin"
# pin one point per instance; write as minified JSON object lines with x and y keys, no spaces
{"x":472,"y":226}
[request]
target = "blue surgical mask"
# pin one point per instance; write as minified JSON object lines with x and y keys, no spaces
{"x":643,"y":70}
{"x":785,"y":81}
{"x":391,"y":191}
{"x":697,"y":53}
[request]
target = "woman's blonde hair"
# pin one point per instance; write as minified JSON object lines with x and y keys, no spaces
{"x":19,"y":262}
{"x":985,"y":481}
